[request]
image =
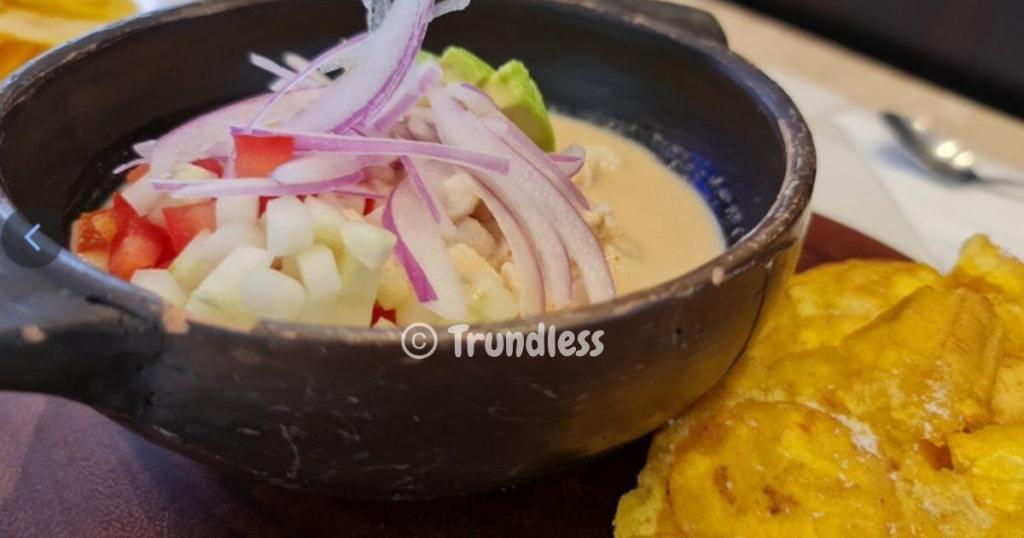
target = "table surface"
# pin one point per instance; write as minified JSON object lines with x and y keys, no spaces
{"x":778,"y":46}
{"x":65,"y":470}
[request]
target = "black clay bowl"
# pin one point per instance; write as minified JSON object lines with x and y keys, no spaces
{"x":343,"y":411}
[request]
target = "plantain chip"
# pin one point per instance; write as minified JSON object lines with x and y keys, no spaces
{"x":992,"y":459}
{"x":29,"y":27}
{"x":823,"y":306}
{"x":77,"y":9}
{"x":810,"y":475}
{"x":914,"y":381}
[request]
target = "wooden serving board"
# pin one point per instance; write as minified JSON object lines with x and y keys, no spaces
{"x":65,"y":470}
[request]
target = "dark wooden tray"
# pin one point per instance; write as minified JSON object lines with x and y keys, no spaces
{"x":65,"y":470}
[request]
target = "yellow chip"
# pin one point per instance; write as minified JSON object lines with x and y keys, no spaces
{"x":937,"y":501}
{"x":77,"y":9}
{"x":779,"y":469}
{"x":29,"y":27}
{"x":992,"y":459}
{"x":822,"y":306}
{"x":907,"y":363}
{"x":940,"y":349}
{"x":984,"y":266}
{"x":14,"y":52}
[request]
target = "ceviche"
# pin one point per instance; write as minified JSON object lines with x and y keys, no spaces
{"x":379,"y":184}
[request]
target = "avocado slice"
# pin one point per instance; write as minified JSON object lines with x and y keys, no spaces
{"x":426,"y":55}
{"x":460,"y":65}
{"x":521,"y":101}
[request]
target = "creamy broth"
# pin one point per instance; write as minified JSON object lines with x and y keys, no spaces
{"x":664,"y":227}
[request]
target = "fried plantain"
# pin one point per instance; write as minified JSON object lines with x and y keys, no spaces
{"x":780,"y":469}
{"x":916,"y":379}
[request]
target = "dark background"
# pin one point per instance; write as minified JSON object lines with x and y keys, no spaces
{"x":975,"y":47}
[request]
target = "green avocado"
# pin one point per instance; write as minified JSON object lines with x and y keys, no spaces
{"x":425,"y":55}
{"x":460,"y":65}
{"x":521,"y":101}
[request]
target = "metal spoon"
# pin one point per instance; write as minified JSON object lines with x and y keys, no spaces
{"x":943,"y":156}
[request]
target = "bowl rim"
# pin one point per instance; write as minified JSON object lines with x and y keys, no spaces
{"x":787,"y":210}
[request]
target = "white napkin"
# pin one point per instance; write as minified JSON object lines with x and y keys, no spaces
{"x":942,"y":215}
{"x":846,"y":189}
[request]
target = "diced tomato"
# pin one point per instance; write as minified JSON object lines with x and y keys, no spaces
{"x":95,"y":230}
{"x":185,"y":222}
{"x":123,"y":211}
{"x":380,"y":313}
{"x":136,"y":173}
{"x":369,"y":204}
{"x":213,"y":165}
{"x":258,"y":156}
{"x":166,"y":258}
{"x":140,"y":245}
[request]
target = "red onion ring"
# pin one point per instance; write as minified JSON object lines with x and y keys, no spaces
{"x":359,"y":145}
{"x":422,"y":252}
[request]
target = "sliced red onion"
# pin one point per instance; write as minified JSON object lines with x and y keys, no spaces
{"x":421,"y":130}
{"x":376,"y":10}
{"x":193,"y":139}
{"x":390,"y":52}
{"x":299,"y":63}
{"x":426,"y":75}
{"x":128,"y":166}
{"x":445,"y":7}
{"x":475,"y":99}
{"x":144,"y":149}
{"x":342,"y":50}
{"x":358,"y":145}
{"x":322,"y":167}
{"x":516,"y":139}
{"x":276,"y":69}
{"x":423,"y":253}
{"x":429,"y":201}
{"x":482,"y":105}
{"x":339,"y":58}
{"x":260,"y":187}
{"x":571,"y":160}
{"x":459,"y":127}
{"x":531,"y":283}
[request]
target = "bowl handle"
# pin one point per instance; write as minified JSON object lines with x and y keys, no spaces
{"x":681,"y":17}
{"x":56,"y":341}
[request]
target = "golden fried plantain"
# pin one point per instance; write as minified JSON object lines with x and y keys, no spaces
{"x":779,"y":469}
{"x":985,"y":267}
{"x":936,"y":501}
{"x":923,"y":369}
{"x":29,"y":27}
{"x":78,"y":9}
{"x":1008,"y":392}
{"x":822,"y":306}
{"x":921,"y":378}
{"x":936,"y":353}
{"x":992,"y":459}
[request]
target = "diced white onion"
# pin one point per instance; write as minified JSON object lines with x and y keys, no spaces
{"x":238,"y":209}
{"x":162,"y":283}
{"x":268,"y":294}
{"x":289,"y":226}
{"x":318,"y":271}
{"x":231,"y":236}
{"x":220,"y":294}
